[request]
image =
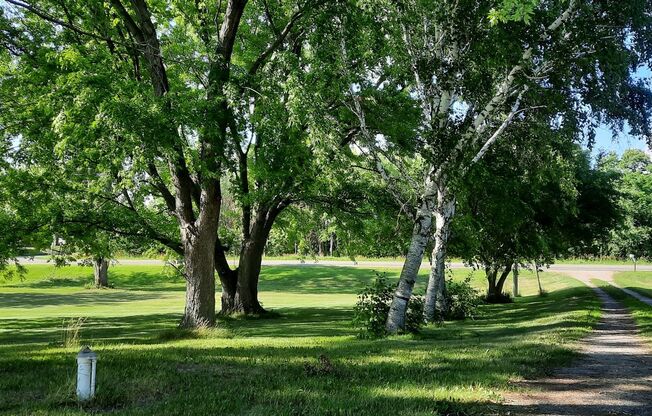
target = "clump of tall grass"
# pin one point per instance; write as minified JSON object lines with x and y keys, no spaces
{"x":71,"y":331}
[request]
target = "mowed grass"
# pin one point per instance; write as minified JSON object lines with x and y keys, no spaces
{"x":266,"y":366}
{"x":638,"y":281}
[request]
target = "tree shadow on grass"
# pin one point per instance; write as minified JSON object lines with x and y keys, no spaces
{"x":496,"y":321}
{"x":89,"y":298}
{"x":132,"y":329}
{"x":291,"y":279}
{"x":144,"y":281}
{"x":386,"y":377}
{"x":647,"y":292}
{"x":295,"y":322}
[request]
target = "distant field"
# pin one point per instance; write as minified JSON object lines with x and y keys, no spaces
{"x":258,"y":366}
{"x":311,"y":259}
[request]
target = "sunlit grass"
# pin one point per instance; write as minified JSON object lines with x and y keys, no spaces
{"x":638,"y":281}
{"x":258,"y":366}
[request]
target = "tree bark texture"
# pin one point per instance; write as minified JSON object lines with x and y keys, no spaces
{"x":420,"y":236}
{"x":436,"y":303}
{"x":199,"y":252}
{"x":101,"y":271}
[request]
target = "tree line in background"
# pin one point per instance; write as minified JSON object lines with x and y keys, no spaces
{"x":382,"y":128}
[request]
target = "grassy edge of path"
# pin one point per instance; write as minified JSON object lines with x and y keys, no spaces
{"x":641,"y":312}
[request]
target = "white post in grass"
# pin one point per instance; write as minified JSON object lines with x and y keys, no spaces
{"x":86,"y":363}
{"x":633,"y":257}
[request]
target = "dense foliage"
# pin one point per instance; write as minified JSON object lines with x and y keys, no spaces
{"x":463,"y":300}
{"x":633,"y":235}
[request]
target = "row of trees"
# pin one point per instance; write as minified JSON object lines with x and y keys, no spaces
{"x":159,"y":121}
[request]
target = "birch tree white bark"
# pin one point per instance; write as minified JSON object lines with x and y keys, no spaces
{"x":447,"y":107}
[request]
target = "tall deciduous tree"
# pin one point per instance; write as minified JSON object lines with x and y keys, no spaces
{"x":474,"y":68}
{"x":152,"y":109}
{"x":634,"y":234}
{"x":529,"y":201}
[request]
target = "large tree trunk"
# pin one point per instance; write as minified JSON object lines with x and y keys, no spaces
{"x":101,"y":271}
{"x":413,"y":259}
{"x":240,"y":286}
{"x":228,"y":280}
{"x":199,"y":251}
{"x":246,"y":296}
{"x":436,"y":303}
{"x":495,"y":288}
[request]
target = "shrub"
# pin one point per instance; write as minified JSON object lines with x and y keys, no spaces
{"x":371,"y":310}
{"x":463,"y":299}
{"x":414,"y":316}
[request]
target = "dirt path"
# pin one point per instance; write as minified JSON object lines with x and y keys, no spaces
{"x":613,"y":376}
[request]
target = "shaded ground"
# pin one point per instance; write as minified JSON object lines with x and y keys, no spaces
{"x":613,"y":377}
{"x":610,"y":279}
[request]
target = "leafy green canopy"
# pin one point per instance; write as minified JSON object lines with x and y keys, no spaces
{"x":466,"y":71}
{"x":633,"y":235}
{"x":533,"y":199}
{"x":126,"y":113}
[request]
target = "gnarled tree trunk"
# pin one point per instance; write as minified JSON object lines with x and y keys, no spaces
{"x":101,"y":271}
{"x":436,"y":303}
{"x":413,"y":259}
{"x":251,"y":256}
{"x":495,"y":288}
{"x":240,"y":286}
{"x":228,"y":278}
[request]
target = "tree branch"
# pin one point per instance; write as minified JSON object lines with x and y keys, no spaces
{"x":52,"y":19}
{"x":260,"y":61}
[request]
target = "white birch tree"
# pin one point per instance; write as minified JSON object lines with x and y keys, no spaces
{"x":473,"y":69}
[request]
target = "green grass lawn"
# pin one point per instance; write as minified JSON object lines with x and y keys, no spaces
{"x":262,"y":366}
{"x":638,"y":281}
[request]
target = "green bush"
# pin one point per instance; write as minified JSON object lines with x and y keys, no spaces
{"x":414,"y":317}
{"x":463,"y":299}
{"x":371,"y":310}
